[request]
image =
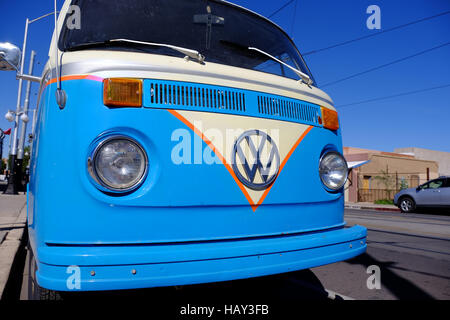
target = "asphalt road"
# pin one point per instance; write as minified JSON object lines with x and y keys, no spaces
{"x":412,"y":252}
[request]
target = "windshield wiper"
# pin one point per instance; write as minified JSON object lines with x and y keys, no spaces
{"x":304,"y":77}
{"x":88,"y":45}
{"x":194,"y":54}
{"x":187,"y":52}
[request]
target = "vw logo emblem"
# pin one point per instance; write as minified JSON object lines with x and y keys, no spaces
{"x":255,"y":152}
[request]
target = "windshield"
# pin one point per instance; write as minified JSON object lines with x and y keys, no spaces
{"x":219,"y":31}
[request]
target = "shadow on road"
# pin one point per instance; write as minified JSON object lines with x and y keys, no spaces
{"x":433,"y":211}
{"x":259,"y":290}
{"x":402,"y":288}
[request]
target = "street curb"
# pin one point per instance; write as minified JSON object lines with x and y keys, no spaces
{"x":9,"y":248}
{"x":382,"y":209}
{"x":358,"y":207}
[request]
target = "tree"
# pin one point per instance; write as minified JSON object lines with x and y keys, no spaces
{"x":2,"y":166}
{"x":403,"y":184}
{"x":386,"y":179}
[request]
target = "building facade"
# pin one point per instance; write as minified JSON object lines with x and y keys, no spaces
{"x":442,"y":158}
{"x":384,"y":174}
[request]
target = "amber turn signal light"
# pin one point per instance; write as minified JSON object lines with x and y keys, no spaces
{"x":122,"y":92}
{"x":330,"y":119}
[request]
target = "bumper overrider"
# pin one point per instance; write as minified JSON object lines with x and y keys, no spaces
{"x":115,"y":267}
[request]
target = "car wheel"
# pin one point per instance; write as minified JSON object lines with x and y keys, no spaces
{"x":407,"y":205}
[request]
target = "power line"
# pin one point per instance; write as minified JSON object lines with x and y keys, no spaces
{"x":375,"y":34}
{"x":385,"y":65}
{"x":281,"y":8}
{"x":393,"y":96}
{"x":293,"y":19}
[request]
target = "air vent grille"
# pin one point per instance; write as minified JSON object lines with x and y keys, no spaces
{"x":288,"y":109}
{"x":197,"y":97}
{"x":166,"y":94}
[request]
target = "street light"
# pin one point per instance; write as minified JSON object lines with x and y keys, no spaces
{"x":9,"y":60}
{"x":10,"y":116}
{"x":24,"y":116}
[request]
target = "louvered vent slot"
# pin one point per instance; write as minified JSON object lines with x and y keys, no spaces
{"x":288,"y":109}
{"x":197,"y":97}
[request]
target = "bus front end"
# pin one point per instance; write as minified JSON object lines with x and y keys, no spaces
{"x":194,"y":146}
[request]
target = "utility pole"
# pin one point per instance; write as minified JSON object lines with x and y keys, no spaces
{"x":23,"y":129}
{"x":2,"y":136}
{"x":33,"y":128}
{"x":14,"y":180}
{"x":9,"y":152}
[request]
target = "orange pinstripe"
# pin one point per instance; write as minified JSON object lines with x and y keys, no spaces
{"x":75,"y":77}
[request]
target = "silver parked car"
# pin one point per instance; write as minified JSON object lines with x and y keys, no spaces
{"x":434,"y":193}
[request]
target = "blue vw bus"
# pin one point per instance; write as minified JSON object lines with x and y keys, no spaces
{"x":181,"y":142}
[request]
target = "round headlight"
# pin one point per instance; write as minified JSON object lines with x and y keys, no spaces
{"x":333,"y":170}
{"x":119,"y":164}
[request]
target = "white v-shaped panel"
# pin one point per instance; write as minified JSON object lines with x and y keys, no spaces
{"x":221,"y":131}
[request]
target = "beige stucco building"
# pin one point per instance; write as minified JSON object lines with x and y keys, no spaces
{"x":382,"y":174}
{"x":442,"y":158}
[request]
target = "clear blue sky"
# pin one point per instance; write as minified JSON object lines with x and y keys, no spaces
{"x":419,"y":120}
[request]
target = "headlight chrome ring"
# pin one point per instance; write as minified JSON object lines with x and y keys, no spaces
{"x":118,"y":164}
{"x":333,"y":170}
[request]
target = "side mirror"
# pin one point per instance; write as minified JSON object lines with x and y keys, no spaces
{"x":10,"y":57}
{"x":418,"y":188}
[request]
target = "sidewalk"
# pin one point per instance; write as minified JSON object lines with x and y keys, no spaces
{"x":371,"y":206}
{"x":13,"y":215}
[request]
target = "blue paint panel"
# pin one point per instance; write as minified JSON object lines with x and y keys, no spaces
{"x":176,"y":203}
{"x":193,"y":263}
{"x":173,"y":196}
{"x":163,"y":94}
